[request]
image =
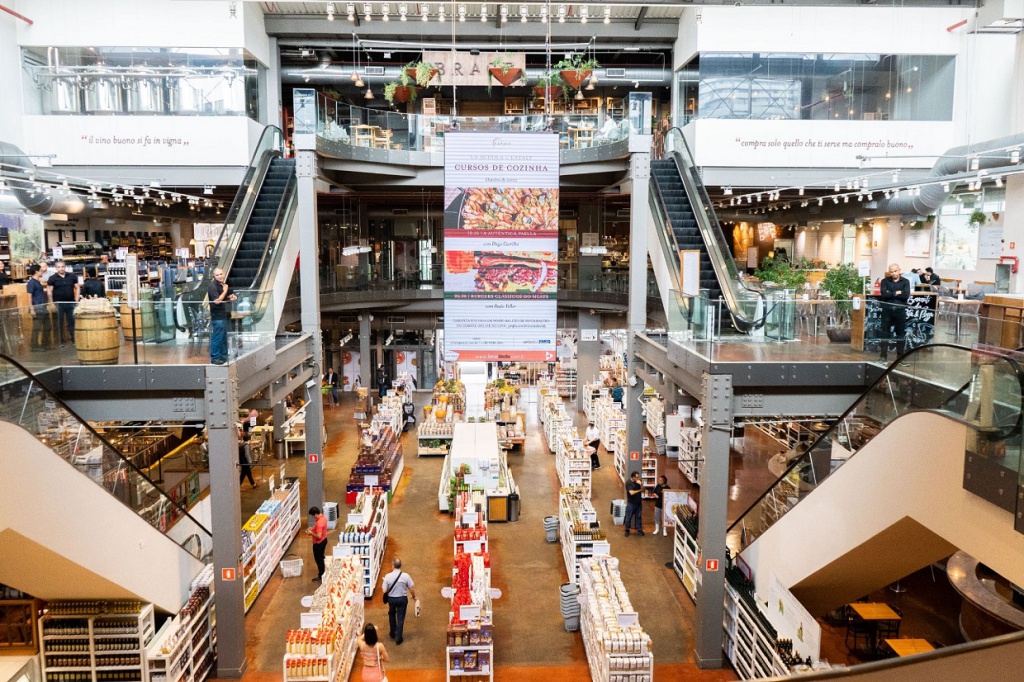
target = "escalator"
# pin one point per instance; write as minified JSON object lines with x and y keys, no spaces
{"x":79,"y":520}
{"x":684,"y":220}
{"x":883,"y":492}
{"x":258,"y":245}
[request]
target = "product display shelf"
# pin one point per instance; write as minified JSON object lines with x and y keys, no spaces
{"x":691,"y":456}
{"x":750,"y":640}
{"x":619,"y":448}
{"x":183,"y":649}
{"x":578,"y":529}
{"x":648,"y":474}
{"x":326,"y":653}
{"x":618,"y":649}
{"x":547,"y":395}
{"x":591,"y":392}
{"x":684,"y":548}
{"x":266,"y":536}
{"x":381,"y":460}
{"x":571,"y":460}
{"x":454,"y":395}
{"x":434,"y":434}
{"x":565,"y":381}
{"x":557,"y":419}
{"x":365,"y":535}
{"x":609,"y":420}
{"x":95,"y":641}
{"x":511,"y":428}
{"x":792,"y":434}
{"x":654,"y":416}
{"x":469,"y":654}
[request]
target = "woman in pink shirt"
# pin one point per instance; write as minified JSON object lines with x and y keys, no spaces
{"x":373,"y":654}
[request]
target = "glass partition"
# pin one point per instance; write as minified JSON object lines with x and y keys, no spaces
{"x":28,"y":404}
{"x":786,"y":86}
{"x":979,"y":387}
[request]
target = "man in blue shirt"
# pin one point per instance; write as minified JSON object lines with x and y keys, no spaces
{"x":41,"y":327}
{"x":617,"y":393}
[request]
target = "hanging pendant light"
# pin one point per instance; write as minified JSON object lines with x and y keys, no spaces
{"x":590,"y":84}
{"x":579,"y":96}
{"x":369,"y":93}
{"x":359,"y":83}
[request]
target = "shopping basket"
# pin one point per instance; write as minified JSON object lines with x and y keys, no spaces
{"x":291,"y":567}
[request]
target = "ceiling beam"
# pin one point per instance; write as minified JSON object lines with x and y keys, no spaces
{"x":640,"y":18}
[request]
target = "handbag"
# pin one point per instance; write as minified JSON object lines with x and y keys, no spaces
{"x":380,"y":664}
{"x":388,"y":593}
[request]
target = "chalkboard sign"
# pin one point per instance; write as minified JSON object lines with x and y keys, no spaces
{"x":920,"y":324}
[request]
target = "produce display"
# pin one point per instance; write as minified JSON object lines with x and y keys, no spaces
{"x":379,"y":464}
{"x":433,"y":436}
{"x":326,"y":653}
{"x":618,"y":649}
{"x":450,"y":393}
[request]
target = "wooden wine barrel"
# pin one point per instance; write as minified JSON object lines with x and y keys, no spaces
{"x":96,"y":338}
{"x":143,"y":320}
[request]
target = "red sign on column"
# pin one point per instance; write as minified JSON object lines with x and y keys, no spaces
{"x":711,"y":565}
{"x":313,"y":458}
{"x":634,"y":455}
{"x":227,"y":574}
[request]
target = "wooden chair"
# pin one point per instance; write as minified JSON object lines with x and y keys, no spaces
{"x":382,"y":138}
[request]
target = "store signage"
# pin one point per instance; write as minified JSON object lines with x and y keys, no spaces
{"x":469,"y":519}
{"x":588,"y":517}
{"x":601,"y":548}
{"x":627,"y":619}
{"x":227,"y":574}
{"x":588,"y":335}
{"x":711,"y":565}
{"x":310,"y":620}
{"x":341,"y":551}
{"x":314,"y":458}
{"x":468,"y":612}
{"x":271,"y":484}
{"x":466,"y":68}
{"x":501,"y":246}
{"x":471,"y":546}
{"x":131,"y":284}
{"x":371,"y":479}
{"x":58,"y":252}
{"x":355,"y":519}
{"x":121,"y":253}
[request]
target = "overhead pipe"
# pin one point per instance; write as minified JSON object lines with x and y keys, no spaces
{"x":18,"y":171}
{"x":296,"y":75}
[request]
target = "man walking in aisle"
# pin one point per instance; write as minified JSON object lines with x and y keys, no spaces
{"x":634,"y":503}
{"x":220,"y":313}
{"x":331,"y":382}
{"x":319,"y":534}
{"x":398,"y":587}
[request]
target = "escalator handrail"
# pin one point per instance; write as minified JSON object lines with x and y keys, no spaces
{"x":711,"y":230}
{"x":96,"y":434}
{"x":289,"y":192}
{"x":225,"y":260}
{"x":895,"y":366}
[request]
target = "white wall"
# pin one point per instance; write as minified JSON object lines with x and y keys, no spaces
{"x":147,"y":23}
{"x":11,"y":97}
{"x":825,"y":243}
{"x":985,"y":88}
{"x":879,"y":486}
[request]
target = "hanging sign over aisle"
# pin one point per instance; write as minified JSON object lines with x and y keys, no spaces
{"x":501,"y":246}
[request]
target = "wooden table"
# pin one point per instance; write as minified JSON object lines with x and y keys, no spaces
{"x":909,"y":647}
{"x":362,"y":135}
{"x":581,"y":135}
{"x":870,"y":611}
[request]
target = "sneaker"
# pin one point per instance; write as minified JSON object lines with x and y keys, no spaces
{"x":656,"y":529}
{"x":640,"y":533}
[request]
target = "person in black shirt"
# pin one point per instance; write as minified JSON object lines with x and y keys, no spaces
{"x":93,"y":286}
{"x":932,"y":278}
{"x":220,"y":313}
{"x":64,"y":286}
{"x":634,"y":503}
{"x":894,"y":294}
{"x":41,"y":325}
{"x":382,"y":382}
{"x":4,"y":279}
{"x":659,"y":505}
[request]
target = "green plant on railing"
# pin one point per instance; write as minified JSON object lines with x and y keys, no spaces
{"x":977,"y":219}
{"x":841,"y":283}
{"x":780,"y":272}
{"x":423,"y":72}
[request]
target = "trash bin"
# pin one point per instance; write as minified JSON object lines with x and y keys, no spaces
{"x":551,"y":528}
{"x":513,"y":506}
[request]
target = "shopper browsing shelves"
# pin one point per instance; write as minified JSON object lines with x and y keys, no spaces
{"x":373,"y":655}
{"x":319,"y":534}
{"x":634,"y":503}
{"x":659,"y":505}
{"x":593,"y":438}
{"x":398,"y":587}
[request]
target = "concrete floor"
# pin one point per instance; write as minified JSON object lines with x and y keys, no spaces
{"x":530,"y":640}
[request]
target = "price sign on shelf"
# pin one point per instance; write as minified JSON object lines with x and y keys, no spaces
{"x":647,"y":443}
{"x":469,"y":518}
{"x":341,"y":551}
{"x":371,"y":479}
{"x":626,"y":619}
{"x":588,"y":517}
{"x":468,"y":612}
{"x":471,"y":546}
{"x":355,"y":519}
{"x":601,"y":549}
{"x":310,"y":620}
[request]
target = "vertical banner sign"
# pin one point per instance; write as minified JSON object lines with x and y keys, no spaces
{"x":501,"y":246}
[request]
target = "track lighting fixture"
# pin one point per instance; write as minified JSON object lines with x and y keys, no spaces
{"x":425,"y":12}
{"x":330,"y":11}
{"x":351,"y":11}
{"x":524,"y":13}
{"x":385,"y":11}
{"x":607,"y":14}
{"x":403,"y":11}
{"x":483,"y":13}
{"x":233,"y":10}
{"x":503,"y":13}
{"x":367,"y":12}
{"x":584,"y":13}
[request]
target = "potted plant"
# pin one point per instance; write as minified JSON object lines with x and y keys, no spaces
{"x":978,"y":218}
{"x":501,"y":70}
{"x":576,"y":69}
{"x":422,"y":72}
{"x":400,"y":90}
{"x":549,"y":86}
{"x":841,"y":283}
{"x":780,"y":273}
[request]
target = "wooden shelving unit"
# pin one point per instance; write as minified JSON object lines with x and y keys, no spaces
{"x":18,"y":626}
{"x":95,"y":641}
{"x":515,"y":106}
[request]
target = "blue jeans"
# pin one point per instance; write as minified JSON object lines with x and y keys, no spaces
{"x":634,"y":512}
{"x":218,"y":340}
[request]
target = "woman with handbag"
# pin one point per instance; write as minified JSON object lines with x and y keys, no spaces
{"x":373,"y":654}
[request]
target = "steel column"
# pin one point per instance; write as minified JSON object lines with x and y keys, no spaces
{"x":588,"y":367}
{"x":226,"y":513}
{"x":713,"y":522}
{"x":639,"y":215}
{"x":365,"y":368}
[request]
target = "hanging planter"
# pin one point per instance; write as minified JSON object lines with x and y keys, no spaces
{"x":399,"y":92}
{"x":505,"y":76}
{"x":548,"y":91}
{"x":576,"y":70}
{"x":422,"y":72}
{"x":575,"y":78}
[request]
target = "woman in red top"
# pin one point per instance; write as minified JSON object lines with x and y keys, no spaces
{"x":319,"y":534}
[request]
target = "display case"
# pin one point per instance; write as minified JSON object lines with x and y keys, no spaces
{"x":571,"y":459}
{"x":470,"y":633}
{"x":267,"y":535}
{"x":324,"y":650}
{"x":565,"y":380}
{"x":365,"y":535}
{"x":691,"y":454}
{"x":379,"y":464}
{"x":618,"y":649}
{"x":434,"y":434}
{"x":184,"y":648}
{"x":95,"y":641}
{"x":579,"y":530}
{"x":18,"y":626}
{"x":648,"y":474}
{"x":750,"y":642}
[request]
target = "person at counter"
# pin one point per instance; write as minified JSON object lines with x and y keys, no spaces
{"x":4,"y":279}
{"x":93,"y":286}
{"x":894,"y":294}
